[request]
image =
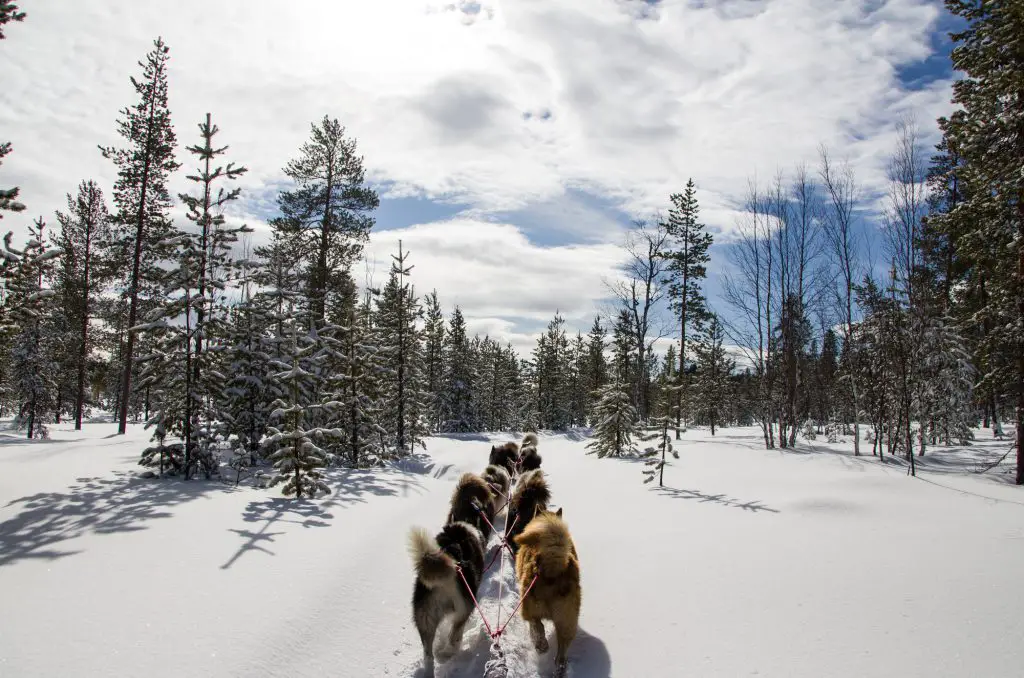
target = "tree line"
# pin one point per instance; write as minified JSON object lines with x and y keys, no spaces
{"x":276,"y":354}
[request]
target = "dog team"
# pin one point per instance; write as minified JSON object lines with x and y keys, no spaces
{"x":450,"y":566}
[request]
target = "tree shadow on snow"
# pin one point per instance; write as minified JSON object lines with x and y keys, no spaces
{"x":721,"y":499}
{"x":348,"y":486}
{"x":123,"y":503}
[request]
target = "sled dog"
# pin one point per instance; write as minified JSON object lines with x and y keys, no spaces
{"x":439,"y":590}
{"x":530,"y":496}
{"x":506,"y":456}
{"x":546,"y":551}
{"x":472,"y":496}
{"x":497,"y":477}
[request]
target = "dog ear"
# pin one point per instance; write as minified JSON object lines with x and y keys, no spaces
{"x":493,"y":448}
{"x":559,"y":512}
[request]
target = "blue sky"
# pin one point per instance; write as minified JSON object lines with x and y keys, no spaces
{"x":512,"y":141}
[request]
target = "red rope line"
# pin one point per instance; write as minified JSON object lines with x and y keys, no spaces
{"x":519,"y":604}
{"x":500,"y":628}
{"x":458,"y":569}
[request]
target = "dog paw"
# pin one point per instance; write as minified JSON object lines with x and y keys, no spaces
{"x":561,"y":669}
{"x":541,"y":645}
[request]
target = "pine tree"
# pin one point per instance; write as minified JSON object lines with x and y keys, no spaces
{"x":656,"y":455}
{"x":296,"y":457}
{"x":457,"y":396}
{"x":947,"y":381}
{"x":328,"y":212}
{"x":552,"y":360}
{"x":434,"y":337}
{"x":354,"y":385}
{"x":141,"y":195}
{"x":8,"y":196}
{"x":616,"y":422}
{"x":597,"y":365}
{"x":826,"y":369}
{"x":248,"y":390}
{"x":8,"y":13}
{"x":30,"y":307}
{"x":84,"y":229}
{"x":687,"y":268}
{"x":986,"y":133}
{"x":713,"y":370}
{"x":205,"y":254}
{"x":397,"y":317}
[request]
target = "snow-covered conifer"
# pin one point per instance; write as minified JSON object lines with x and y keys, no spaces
{"x":296,"y":457}
{"x":616,"y":421}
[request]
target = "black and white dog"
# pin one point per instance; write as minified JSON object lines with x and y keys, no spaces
{"x":439,"y":590}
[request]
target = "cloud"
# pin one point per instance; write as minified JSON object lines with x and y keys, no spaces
{"x":514,"y":110}
{"x":496,"y":274}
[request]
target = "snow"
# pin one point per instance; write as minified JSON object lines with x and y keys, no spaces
{"x":750,"y":562}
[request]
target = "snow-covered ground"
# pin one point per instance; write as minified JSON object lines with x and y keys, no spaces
{"x":749,"y":562}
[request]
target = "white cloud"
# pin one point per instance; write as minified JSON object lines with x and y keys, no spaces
{"x":494,"y":273}
{"x":501,"y":105}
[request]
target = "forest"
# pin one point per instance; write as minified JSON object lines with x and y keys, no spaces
{"x":247,"y":349}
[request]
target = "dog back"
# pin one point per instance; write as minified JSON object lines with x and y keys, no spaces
{"x":471,"y":496}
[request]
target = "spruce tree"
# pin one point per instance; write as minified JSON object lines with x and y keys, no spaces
{"x":9,"y":12}
{"x":8,"y":196}
{"x":397,"y":318}
{"x":713,"y":370}
{"x":458,"y":406}
{"x":986,"y":133}
{"x":328,"y":213}
{"x":597,"y":365}
{"x":616,"y":422}
{"x":248,"y":391}
{"x":205,"y":254}
{"x":296,"y":457}
{"x":687,"y":267}
{"x":31,"y":312}
{"x":353,"y":388}
{"x":434,"y":368}
{"x":84,"y":230}
{"x":141,"y":196}
{"x":657,"y":455}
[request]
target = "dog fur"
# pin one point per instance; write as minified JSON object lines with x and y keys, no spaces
{"x":506,"y":456}
{"x":472,"y":492}
{"x":546,"y":550}
{"x":529,"y":460}
{"x":500,"y":481}
{"x":439,"y":590}
{"x":530,"y":496}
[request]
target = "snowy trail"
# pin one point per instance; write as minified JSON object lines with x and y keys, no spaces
{"x":748,"y":562}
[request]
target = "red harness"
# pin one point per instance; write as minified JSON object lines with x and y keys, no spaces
{"x":499,"y":628}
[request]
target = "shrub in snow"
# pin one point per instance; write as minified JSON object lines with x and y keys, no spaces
{"x":809,"y":433}
{"x":657,"y":453}
{"x":616,"y":422}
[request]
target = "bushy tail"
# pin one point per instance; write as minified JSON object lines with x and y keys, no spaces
{"x":549,"y":535}
{"x":530,"y":439}
{"x":434,"y":567}
{"x":532,"y":490}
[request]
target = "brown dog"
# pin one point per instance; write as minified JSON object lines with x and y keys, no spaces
{"x":530,"y":496}
{"x":472,"y":499}
{"x":547,"y":553}
{"x":505,"y":456}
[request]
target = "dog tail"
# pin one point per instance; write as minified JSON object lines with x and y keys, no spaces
{"x":530,"y":439}
{"x":531,"y":494}
{"x":549,"y":535}
{"x":434,"y":567}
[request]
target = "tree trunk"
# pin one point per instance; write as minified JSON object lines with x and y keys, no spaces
{"x":1020,"y":349}
{"x":129,"y":357}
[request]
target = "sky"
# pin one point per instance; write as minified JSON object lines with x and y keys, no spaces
{"x":512,"y":142}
